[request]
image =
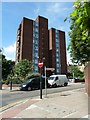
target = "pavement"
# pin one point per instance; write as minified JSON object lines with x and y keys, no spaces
{"x":67,"y":104}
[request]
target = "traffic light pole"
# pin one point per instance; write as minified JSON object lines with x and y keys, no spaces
{"x":40,"y":83}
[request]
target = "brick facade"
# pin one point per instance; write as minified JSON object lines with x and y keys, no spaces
{"x":35,"y":41}
{"x":87,"y":78}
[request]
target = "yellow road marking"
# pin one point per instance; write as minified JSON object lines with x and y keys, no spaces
{"x":11,"y":105}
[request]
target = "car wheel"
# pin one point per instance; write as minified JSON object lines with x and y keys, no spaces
{"x":29,"y":88}
{"x":55,"y":85}
{"x":65,"y":84}
{"x":38,"y":88}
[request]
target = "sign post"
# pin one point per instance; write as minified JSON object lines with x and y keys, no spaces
{"x":45,"y":84}
{"x":40,"y":64}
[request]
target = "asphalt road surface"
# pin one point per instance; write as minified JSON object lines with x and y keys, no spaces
{"x":11,"y":97}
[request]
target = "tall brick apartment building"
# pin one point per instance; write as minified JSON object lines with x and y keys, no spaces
{"x":35,"y":41}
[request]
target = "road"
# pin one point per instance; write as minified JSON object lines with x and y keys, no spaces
{"x":11,"y":97}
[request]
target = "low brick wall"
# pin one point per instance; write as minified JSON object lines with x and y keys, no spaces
{"x":77,"y":81}
{"x":87,"y":78}
{"x":13,"y":85}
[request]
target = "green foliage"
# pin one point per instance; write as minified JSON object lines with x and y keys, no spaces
{"x":77,"y":72}
{"x":80,"y":32}
{"x":7,"y":66}
{"x":23,"y":68}
{"x":13,"y":78}
{"x":33,"y":75}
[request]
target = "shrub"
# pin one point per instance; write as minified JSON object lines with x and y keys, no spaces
{"x":33,"y":75}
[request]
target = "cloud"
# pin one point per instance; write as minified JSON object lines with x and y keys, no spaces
{"x":55,"y":7}
{"x":56,"y":13}
{"x":11,"y":48}
{"x":36,"y":11}
{"x":10,"y":51}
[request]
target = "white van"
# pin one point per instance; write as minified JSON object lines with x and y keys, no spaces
{"x":58,"y":80}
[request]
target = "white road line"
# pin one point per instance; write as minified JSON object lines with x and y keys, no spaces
{"x":87,"y":116}
{"x":9,"y":106}
{"x":31,"y":107}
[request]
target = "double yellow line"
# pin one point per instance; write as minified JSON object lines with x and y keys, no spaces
{"x":11,"y":105}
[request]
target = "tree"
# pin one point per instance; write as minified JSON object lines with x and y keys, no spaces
{"x":77,"y":72}
{"x":0,"y":69}
{"x":79,"y":46}
{"x":7,"y":66}
{"x":23,"y":68}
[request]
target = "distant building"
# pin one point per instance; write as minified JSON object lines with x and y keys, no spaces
{"x":35,"y":42}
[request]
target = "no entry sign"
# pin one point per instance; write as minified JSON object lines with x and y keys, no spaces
{"x":40,"y":64}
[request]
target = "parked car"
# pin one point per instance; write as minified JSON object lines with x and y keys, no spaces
{"x":33,"y":83}
{"x":58,"y":80}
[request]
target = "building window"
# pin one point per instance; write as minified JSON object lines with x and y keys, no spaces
{"x":58,"y":65}
{"x":57,"y":40}
{"x":36,"y":36}
{"x":36,"y":24}
{"x":57,"y":59}
{"x":57,"y":45}
{"x":57,"y":50}
{"x":36,"y":42}
{"x":56,"y":36}
{"x":56,"y":31}
{"x":57,"y":70}
{"x":36,"y":54}
{"x":36,"y":30}
{"x":35,"y":45}
{"x":36,"y":62}
{"x":57,"y":55}
{"x":36,"y":68}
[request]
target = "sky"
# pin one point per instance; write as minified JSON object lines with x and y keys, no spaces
{"x":13,"y":12}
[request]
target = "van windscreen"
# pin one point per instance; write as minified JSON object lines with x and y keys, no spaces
{"x":51,"y":78}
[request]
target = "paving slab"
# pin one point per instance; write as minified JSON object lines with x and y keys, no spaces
{"x":69,"y":104}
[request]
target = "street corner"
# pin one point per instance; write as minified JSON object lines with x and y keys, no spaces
{"x":13,"y":109}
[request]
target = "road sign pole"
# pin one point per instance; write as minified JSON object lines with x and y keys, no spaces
{"x":40,"y":83}
{"x":45,"y":84}
{"x":40,"y":64}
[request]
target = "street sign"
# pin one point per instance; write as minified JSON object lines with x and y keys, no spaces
{"x":52,"y":69}
{"x":40,"y":65}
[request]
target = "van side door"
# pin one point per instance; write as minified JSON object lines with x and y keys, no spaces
{"x":57,"y":80}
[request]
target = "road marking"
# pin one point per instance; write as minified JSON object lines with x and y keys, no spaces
{"x":11,"y":105}
{"x":87,"y":116}
{"x":31,"y":107}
